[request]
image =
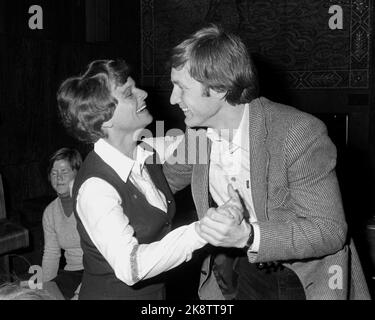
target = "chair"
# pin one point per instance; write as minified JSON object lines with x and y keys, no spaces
{"x":12,"y":236}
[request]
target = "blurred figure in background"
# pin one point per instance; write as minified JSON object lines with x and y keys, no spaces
{"x":60,"y":226}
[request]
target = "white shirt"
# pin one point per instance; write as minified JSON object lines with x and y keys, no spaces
{"x":99,"y":208}
{"x":230,"y":163}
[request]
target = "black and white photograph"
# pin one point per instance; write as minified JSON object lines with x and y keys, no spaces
{"x":187,"y":155}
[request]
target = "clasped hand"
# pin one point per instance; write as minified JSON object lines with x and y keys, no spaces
{"x":225,"y":225}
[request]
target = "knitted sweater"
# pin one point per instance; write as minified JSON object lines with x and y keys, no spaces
{"x":60,"y":232}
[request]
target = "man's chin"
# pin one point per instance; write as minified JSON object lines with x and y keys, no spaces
{"x":191,"y":123}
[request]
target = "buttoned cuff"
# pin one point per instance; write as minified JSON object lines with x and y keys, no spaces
{"x":196,"y":240}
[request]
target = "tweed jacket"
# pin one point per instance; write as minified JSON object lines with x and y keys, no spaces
{"x":297,"y":202}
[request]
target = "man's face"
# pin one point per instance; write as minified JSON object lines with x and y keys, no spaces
{"x":199,"y":110}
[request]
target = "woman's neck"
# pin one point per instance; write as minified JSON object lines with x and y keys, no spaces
{"x":126,"y":144}
{"x":64,"y":196}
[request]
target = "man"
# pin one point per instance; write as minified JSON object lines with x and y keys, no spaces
{"x":293,"y":242}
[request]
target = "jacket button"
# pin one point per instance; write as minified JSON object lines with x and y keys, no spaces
{"x":261,"y":265}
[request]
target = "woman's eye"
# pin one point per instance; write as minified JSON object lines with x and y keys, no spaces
{"x":127,"y":93}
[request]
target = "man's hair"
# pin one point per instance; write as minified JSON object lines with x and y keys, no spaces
{"x":72,"y":156}
{"x":85,"y":102}
{"x":220,"y":61}
{"x":13,"y":291}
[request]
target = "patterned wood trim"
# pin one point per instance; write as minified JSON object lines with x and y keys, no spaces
{"x":338,"y":60}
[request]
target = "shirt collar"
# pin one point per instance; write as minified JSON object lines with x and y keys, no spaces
{"x":122,"y":164}
{"x":241,"y":137}
{"x":213,"y":135}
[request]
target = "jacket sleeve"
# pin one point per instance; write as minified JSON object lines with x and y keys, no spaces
{"x":310,"y":222}
{"x":177,"y":169}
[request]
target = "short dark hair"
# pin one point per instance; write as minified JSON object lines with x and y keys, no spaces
{"x":220,"y":61}
{"x":70,"y":155}
{"x":85,"y":102}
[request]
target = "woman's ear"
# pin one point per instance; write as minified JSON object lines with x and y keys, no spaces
{"x":107,"y":125}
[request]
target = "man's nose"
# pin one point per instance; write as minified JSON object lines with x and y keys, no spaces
{"x":175,"y":97}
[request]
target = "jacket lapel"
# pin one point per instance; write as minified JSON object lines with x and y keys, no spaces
{"x":259,"y":161}
{"x":259,"y":158}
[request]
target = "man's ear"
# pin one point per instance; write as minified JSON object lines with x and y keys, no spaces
{"x":218,"y":95}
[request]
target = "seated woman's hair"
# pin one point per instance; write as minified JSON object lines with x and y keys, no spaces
{"x":13,"y":291}
{"x":85,"y":102}
{"x":72,"y":156}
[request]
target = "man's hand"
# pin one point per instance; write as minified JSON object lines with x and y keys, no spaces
{"x":232,"y":208}
{"x":225,"y":226}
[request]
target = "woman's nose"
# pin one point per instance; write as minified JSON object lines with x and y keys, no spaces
{"x":60,"y":177}
{"x":142,"y":94}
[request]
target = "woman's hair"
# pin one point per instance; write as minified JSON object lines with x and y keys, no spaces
{"x":220,"y":61}
{"x":72,"y":156}
{"x":13,"y":291}
{"x":85,"y":102}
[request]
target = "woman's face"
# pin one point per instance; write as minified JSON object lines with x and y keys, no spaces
{"x":131,"y":111}
{"x":61,"y":175}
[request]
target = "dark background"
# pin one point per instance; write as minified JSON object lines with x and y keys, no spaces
{"x":34,"y":62}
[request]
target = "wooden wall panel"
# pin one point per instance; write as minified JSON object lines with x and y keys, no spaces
{"x":30,"y":129}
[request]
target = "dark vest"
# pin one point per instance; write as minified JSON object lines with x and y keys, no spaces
{"x":150,"y":224}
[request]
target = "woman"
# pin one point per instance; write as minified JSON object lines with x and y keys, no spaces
{"x":60,"y":226}
{"x":123,"y":205}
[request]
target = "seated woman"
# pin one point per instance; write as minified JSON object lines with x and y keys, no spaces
{"x":123,"y":204}
{"x":60,"y":226}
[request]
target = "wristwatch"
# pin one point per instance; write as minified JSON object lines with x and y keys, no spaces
{"x":250,"y":241}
